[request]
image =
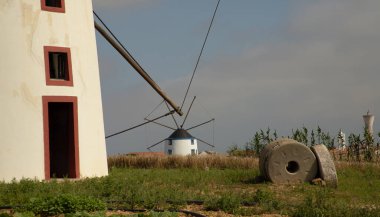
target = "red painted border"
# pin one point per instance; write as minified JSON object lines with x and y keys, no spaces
{"x":45,"y":108}
{"x":53,"y":9}
{"x":51,"y":82}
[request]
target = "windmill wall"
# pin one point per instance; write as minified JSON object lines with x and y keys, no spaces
{"x":181,"y":147}
{"x":34,"y":42}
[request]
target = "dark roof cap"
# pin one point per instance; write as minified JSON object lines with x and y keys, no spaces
{"x":180,"y":134}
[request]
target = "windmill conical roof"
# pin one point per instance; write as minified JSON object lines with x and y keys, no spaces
{"x":180,"y":134}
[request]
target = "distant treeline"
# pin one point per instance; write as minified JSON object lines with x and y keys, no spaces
{"x":359,"y":147}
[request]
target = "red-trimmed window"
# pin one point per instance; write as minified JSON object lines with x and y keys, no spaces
{"x":58,"y":66}
{"x":53,"y":5}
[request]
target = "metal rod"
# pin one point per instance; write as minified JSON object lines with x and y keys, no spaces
{"x":200,"y":54}
{"x":155,"y":109}
{"x":188,"y":112}
{"x":175,"y":121}
{"x":163,"y":125}
{"x":155,"y":144}
{"x":127,"y":56}
{"x":131,"y":128}
{"x":200,"y":124}
{"x":205,"y":142}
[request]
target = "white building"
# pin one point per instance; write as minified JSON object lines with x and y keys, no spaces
{"x":341,"y":139}
{"x":181,"y":143}
{"x":368,"y":122}
{"x":52,"y":118}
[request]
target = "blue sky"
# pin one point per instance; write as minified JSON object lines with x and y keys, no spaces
{"x":277,"y":64}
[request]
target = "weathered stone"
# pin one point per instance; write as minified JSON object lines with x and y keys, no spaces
{"x":289,"y":162}
{"x":318,"y":181}
{"x":326,"y":165}
{"x":266,"y":151}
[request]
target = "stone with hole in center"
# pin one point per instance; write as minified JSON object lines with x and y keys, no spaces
{"x":266,"y":152}
{"x":291,"y":162}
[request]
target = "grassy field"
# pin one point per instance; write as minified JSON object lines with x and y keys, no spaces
{"x":223,"y":185}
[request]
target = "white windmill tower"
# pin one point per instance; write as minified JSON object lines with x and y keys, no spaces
{"x":52,"y":118}
{"x":180,"y":142}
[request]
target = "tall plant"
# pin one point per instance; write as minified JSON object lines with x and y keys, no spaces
{"x":263,"y":137}
{"x":368,"y":145}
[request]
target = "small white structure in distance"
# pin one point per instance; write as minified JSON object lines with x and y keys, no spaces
{"x":51,"y":109}
{"x":341,"y":139}
{"x":181,"y":143}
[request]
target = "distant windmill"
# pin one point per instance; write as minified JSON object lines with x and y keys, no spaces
{"x":181,"y":142}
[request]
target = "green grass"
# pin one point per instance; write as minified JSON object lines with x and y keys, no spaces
{"x":359,"y":183}
{"x":221,"y":189}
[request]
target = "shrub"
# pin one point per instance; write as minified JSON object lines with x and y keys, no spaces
{"x":48,"y":206}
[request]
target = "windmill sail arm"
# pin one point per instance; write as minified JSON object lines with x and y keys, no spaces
{"x":188,"y":111}
{"x":172,"y":115}
{"x":128,"y":57}
{"x":198,"y":125}
{"x":205,"y":142}
{"x":163,"y":125}
{"x":131,"y":128}
{"x":155,"y":144}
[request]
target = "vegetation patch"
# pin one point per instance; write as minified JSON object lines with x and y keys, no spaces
{"x":232,"y":191}
{"x":50,"y":206}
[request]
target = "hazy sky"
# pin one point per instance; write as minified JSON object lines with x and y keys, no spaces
{"x":268,"y":63}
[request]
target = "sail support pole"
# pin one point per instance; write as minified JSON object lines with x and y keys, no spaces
{"x":127,"y":56}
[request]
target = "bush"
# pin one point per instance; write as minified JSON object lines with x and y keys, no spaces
{"x":49,"y":206}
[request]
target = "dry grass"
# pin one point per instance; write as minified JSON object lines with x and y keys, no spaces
{"x":340,"y":165}
{"x":346,"y":155}
{"x":205,"y":162}
{"x":192,"y":162}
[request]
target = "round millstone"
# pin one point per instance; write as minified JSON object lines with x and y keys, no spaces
{"x":291,"y":162}
{"x":326,"y":165}
{"x":266,"y":152}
